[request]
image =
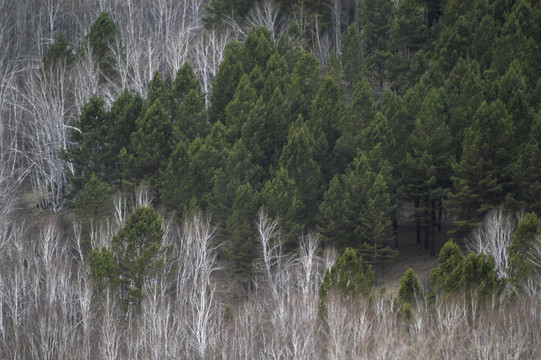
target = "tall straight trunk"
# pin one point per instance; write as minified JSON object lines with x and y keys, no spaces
{"x":417,"y":218}
{"x":426,"y":223}
{"x":439,"y":213}
{"x":432,"y":240}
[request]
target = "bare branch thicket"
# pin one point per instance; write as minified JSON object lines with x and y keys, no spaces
{"x":160,"y":331}
{"x":533,"y":282}
{"x":241,"y":336}
{"x":209,"y":52}
{"x":143,"y":196}
{"x":493,"y":237}
{"x":84,"y":81}
{"x":266,"y":13}
{"x":271,"y":244}
{"x":309,"y":264}
{"x":336,"y":19}
{"x":45,"y":133}
{"x":196,"y":289}
{"x":111,"y":335}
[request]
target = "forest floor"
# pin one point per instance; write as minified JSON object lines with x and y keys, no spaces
{"x":411,"y":253}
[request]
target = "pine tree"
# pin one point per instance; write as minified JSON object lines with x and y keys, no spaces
{"x":178,"y":182}
{"x":375,"y":223}
{"x":336,"y":216}
{"x":376,"y":21}
{"x":408,"y":35}
{"x":89,"y":156}
{"x":525,"y":237}
{"x":192,"y":117}
{"x":298,"y":160}
{"x":240,"y":229}
{"x":326,"y":111}
{"x":352,"y":55}
{"x":207,"y":155}
{"x":256,"y":49}
{"x":240,"y":108}
{"x":349,"y":277}
{"x":238,"y":168}
{"x":60,"y":53}
{"x":225,"y":82}
{"x":139,"y":253}
{"x":410,"y":289}
{"x":102,"y":37}
{"x":483,"y":175}
{"x":150,"y":147}
{"x":122,"y":123}
{"x":157,"y":90}
{"x":527,"y":170}
{"x":303,"y":84}
{"x":444,"y":277}
{"x":429,"y":163}
{"x":281,"y":198}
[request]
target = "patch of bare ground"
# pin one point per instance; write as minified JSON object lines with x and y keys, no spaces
{"x":26,"y":211}
{"x":412,"y":254}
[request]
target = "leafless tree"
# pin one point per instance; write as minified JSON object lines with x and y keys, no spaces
{"x":493,"y":237}
{"x":209,"y":52}
{"x":266,"y":13}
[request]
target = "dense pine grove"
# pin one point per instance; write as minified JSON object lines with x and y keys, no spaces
{"x":421,"y":104}
{"x":212,"y":158}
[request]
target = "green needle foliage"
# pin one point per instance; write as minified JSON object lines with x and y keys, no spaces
{"x":349,"y":277}
{"x":136,"y":256}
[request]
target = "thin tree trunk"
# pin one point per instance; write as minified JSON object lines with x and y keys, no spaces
{"x":432,"y":240}
{"x":417,"y":219}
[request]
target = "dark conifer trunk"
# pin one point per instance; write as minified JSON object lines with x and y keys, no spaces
{"x":417,"y":219}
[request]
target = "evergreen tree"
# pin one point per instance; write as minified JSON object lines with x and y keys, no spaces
{"x":525,"y":237}
{"x":512,"y":92}
{"x":89,"y":156}
{"x":185,"y":81}
{"x":376,"y":20}
{"x":139,"y":253}
{"x":303,"y":85}
{"x":136,"y":256}
{"x":157,"y":90}
{"x":240,"y":108}
{"x":178,"y":182}
{"x":336,"y":223}
{"x":474,"y":275}
{"x":256,"y":49}
{"x":150,"y":147}
{"x":192,"y":117}
{"x":281,"y":198}
{"x":298,"y":160}
{"x":410,"y":289}
{"x":443,"y":277}
{"x":326,"y":111}
{"x":408,"y":35}
{"x":225,"y":82}
{"x":207,"y":155}
{"x":60,"y":53}
{"x":483,"y":175}
{"x":240,"y":229}
{"x":352,"y":55}
{"x":375,"y":223}
{"x":123,"y":115}
{"x":93,"y":202}
{"x":348,"y":277}
{"x":429,"y":163}
{"x":237,"y":169}
{"x":102,"y":37}
{"x":527,"y":170}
